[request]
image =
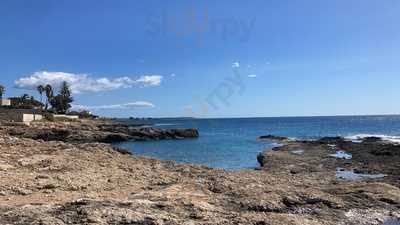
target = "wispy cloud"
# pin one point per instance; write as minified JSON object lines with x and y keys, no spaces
{"x":252,"y":75}
{"x":130,"y":105}
{"x":81,"y":83}
{"x":172,"y":75}
{"x":235,"y":65}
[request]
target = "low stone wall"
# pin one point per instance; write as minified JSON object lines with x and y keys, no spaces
{"x":9,"y":116}
{"x":67,"y":117}
{"x":19,"y":115}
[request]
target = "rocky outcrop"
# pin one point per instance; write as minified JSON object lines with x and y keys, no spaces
{"x":273,"y":138}
{"x":150,"y":133}
{"x":371,"y":156}
{"x":372,"y":139}
{"x":330,"y":140}
{"x":95,"y":131}
{"x":261,"y":158}
{"x":68,"y":135}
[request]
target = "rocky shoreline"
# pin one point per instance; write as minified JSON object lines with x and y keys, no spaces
{"x":80,"y":181}
{"x":104,"y":131}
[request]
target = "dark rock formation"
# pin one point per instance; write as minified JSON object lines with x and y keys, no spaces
{"x":115,"y":137}
{"x":367,"y":157}
{"x":96,"y":132}
{"x":371,"y":139}
{"x":67,"y":135}
{"x":42,"y":134}
{"x":122,"y":150}
{"x":330,"y":140}
{"x":261,"y":158}
{"x":273,"y":138}
{"x":150,"y":133}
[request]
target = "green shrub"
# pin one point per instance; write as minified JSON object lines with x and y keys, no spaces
{"x":48,"y":116}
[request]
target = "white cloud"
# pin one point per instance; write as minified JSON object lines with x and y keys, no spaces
{"x":130,"y":105}
{"x":81,"y":83}
{"x":252,"y":75}
{"x":152,"y":80}
{"x":172,"y":75}
{"x":235,"y":65}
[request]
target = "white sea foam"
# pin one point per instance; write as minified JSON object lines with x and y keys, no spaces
{"x":351,"y":175}
{"x":277,"y":145}
{"x":298,"y":152}
{"x":164,"y":124}
{"x":342,"y":155}
{"x":294,"y":139}
{"x":360,"y":137}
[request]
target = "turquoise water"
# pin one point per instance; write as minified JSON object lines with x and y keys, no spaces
{"x":232,"y":143}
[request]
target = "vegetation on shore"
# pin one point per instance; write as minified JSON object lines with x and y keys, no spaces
{"x":49,"y":103}
{"x":59,"y":103}
{"x":2,"y":90}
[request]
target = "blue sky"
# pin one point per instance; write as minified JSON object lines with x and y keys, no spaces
{"x":182,"y":58}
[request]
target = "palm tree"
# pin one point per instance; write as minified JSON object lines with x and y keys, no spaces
{"x":2,"y":90}
{"x":41,"y":89}
{"x":64,"y":99}
{"x":49,"y":94}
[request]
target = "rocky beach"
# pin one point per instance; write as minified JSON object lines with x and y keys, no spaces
{"x":58,"y":173}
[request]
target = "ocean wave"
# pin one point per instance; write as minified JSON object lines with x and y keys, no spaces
{"x":360,"y":137}
{"x":275,"y":144}
{"x":164,"y":124}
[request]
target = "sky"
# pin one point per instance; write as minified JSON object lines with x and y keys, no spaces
{"x":207,"y":58}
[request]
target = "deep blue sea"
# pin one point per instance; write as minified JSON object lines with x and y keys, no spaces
{"x":232,"y":143}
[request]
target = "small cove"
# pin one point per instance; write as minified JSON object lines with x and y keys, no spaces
{"x":231,"y":143}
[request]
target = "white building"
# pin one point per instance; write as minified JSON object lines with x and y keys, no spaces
{"x":5,"y":102}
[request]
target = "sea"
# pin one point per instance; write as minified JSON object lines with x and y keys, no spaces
{"x":232,"y":143}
